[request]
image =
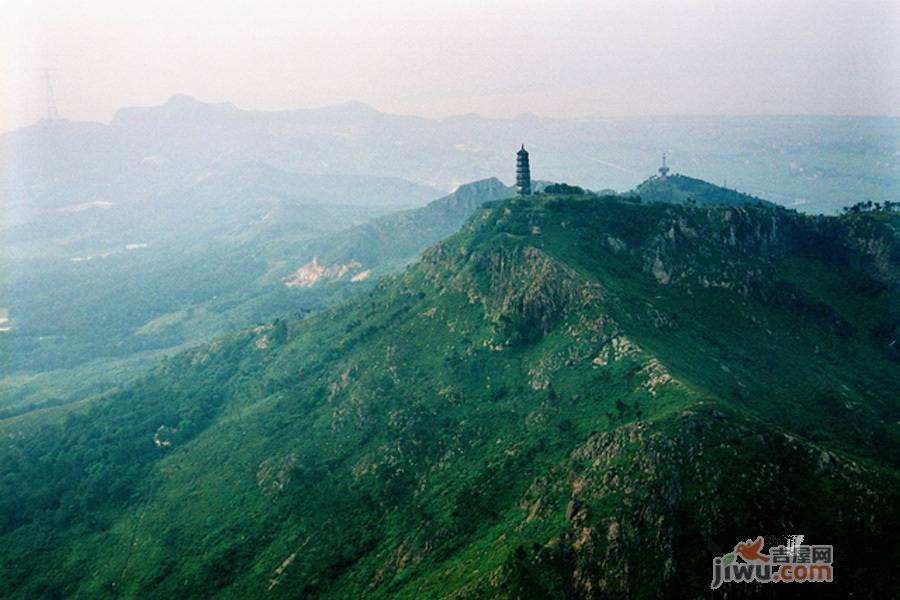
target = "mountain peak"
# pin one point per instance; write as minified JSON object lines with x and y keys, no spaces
{"x":183,"y":109}
{"x":357,"y":106}
{"x":182,"y":99}
{"x":681,"y":189}
{"x":470,"y":196}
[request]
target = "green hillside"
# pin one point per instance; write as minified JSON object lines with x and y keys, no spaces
{"x":680,"y":189}
{"x":572,"y":396}
{"x":79,"y":329}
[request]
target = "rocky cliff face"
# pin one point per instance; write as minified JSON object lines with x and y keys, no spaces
{"x":739,"y":245}
{"x":873,"y":246}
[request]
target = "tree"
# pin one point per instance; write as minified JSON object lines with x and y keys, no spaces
{"x":279,"y":331}
{"x":564,"y":189}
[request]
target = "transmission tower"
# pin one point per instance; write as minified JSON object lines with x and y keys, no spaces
{"x":52,"y":111}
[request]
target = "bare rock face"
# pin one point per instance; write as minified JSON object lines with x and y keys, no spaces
{"x":313,"y":273}
{"x":528,"y":284}
{"x":527,"y":291}
{"x":275,"y":473}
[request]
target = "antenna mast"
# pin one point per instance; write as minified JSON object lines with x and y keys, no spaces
{"x":663,"y":170}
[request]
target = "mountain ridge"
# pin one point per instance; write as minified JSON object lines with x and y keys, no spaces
{"x":537,"y":406}
{"x":187,"y":100}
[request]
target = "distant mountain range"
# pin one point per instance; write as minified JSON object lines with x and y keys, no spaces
{"x":817,"y":164}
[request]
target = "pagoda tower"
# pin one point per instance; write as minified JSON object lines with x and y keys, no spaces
{"x":523,"y":173}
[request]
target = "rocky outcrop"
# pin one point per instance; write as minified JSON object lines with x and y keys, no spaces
{"x":627,"y":493}
{"x":275,"y":473}
{"x":524,"y":291}
{"x":528,"y":285}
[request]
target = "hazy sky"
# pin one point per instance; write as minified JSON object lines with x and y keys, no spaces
{"x":556,"y":58}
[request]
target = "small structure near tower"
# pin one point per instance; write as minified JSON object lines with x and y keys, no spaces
{"x":663,"y":170}
{"x":523,"y":173}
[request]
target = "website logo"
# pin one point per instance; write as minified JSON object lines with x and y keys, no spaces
{"x":792,"y":562}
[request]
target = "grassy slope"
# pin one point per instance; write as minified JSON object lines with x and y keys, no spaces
{"x":450,"y":430}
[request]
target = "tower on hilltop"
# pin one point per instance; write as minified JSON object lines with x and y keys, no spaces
{"x":523,"y":173}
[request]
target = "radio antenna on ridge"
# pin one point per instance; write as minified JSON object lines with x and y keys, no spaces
{"x":663,"y":170}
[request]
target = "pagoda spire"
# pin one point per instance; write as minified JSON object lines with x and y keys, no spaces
{"x":523,"y":173}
